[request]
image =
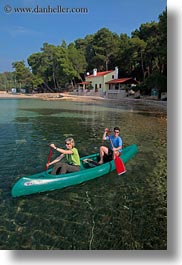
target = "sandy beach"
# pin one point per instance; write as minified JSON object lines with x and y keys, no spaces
{"x":49,"y":96}
{"x":66,"y":96}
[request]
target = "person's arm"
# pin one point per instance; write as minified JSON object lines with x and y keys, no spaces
{"x":55,"y":160}
{"x":117,"y":149}
{"x":63,"y":151}
{"x":104,"y":137}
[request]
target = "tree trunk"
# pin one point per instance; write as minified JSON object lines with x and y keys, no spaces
{"x":143,"y":72}
{"x":50,"y":89}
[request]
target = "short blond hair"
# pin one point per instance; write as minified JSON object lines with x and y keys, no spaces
{"x":70,"y":140}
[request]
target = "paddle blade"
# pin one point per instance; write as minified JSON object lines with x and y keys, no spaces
{"x":120,"y":167}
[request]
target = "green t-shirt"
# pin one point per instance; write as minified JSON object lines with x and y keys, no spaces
{"x":73,"y":158}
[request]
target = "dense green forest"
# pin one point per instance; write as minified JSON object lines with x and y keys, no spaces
{"x":142,"y":56}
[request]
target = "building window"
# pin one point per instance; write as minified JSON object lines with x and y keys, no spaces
{"x":96,"y":88}
{"x":100,"y":85}
{"x":116,"y":87}
{"x":112,"y":76}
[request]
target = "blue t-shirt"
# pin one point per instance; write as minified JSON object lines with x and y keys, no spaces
{"x":116,"y":141}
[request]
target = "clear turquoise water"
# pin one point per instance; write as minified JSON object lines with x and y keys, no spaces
{"x":111,"y":212}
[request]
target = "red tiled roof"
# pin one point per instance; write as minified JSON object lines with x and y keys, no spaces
{"x":121,"y":80}
{"x":84,"y":83}
{"x":101,"y":73}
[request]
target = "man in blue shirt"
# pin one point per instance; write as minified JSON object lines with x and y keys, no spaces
{"x":115,"y":149}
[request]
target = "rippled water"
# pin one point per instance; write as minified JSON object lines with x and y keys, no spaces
{"x":112,"y":212}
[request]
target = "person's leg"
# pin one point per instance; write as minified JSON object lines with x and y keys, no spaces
{"x":103,"y":150}
{"x":63,"y":168}
{"x":56,"y":167}
{"x":66,"y":168}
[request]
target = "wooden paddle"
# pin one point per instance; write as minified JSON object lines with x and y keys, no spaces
{"x":49,"y":157}
{"x":120,"y":167}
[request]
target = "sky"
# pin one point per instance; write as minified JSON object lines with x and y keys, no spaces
{"x":23,"y":33}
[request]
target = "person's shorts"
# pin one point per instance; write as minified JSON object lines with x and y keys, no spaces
{"x":109,"y":156}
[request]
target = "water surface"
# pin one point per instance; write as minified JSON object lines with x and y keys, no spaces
{"x":112,"y":212}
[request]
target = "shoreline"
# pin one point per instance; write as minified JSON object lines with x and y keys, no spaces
{"x":66,"y":96}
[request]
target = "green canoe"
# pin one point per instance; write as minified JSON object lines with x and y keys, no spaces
{"x":44,"y":181}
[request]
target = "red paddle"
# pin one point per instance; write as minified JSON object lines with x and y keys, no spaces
{"x":49,"y":157}
{"x":120,"y":167}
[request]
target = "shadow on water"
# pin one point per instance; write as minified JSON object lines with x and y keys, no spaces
{"x":109,"y":213}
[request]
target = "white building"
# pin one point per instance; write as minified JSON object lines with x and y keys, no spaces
{"x":105,"y":84}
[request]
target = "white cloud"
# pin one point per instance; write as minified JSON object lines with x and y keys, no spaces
{"x":15,"y":31}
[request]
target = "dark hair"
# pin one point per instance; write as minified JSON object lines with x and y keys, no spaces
{"x":116,"y":128}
